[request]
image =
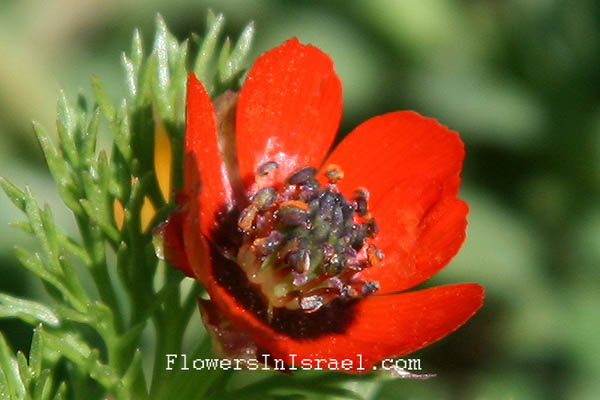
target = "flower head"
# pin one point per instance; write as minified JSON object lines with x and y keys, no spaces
{"x":307,"y":253}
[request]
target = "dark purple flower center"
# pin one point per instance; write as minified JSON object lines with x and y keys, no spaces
{"x":304,"y":243}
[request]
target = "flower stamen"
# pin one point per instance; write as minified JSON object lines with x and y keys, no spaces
{"x":304,"y":243}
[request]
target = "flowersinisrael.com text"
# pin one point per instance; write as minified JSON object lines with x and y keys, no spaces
{"x":267,"y":362}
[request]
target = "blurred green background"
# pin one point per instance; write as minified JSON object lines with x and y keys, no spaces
{"x":518,"y":79}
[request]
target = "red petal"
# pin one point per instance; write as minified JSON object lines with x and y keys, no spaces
{"x":384,"y":326}
{"x":171,"y":232}
{"x":288,"y":111}
{"x":401,"y":154}
{"x":411,"y":166}
{"x":206,"y":177}
{"x":197,"y":248}
{"x":419,"y":246}
{"x":393,"y":326}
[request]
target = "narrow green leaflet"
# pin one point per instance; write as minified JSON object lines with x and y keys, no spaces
{"x":104,"y":102}
{"x":208,"y":46}
{"x":11,"y":385}
{"x":29,"y":311}
{"x":232,"y":67}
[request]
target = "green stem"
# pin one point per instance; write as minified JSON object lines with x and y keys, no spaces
{"x":94,"y":245}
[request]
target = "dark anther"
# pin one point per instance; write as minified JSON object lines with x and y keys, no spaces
{"x":267,"y":168}
{"x":347,"y":292}
{"x":333,"y":265}
{"x":349,"y":252}
{"x":327,"y":205}
{"x":246,"y":218}
{"x":299,"y":279}
{"x":264,"y":199}
{"x":289,"y":247}
{"x":300,"y":260}
{"x":361,"y":196}
{"x":371,"y":228}
{"x":265,"y":246}
{"x":352,"y":263}
{"x":358,"y":236}
{"x":308,"y":190}
{"x":310,"y":184}
{"x":328,"y":250}
{"x":302,"y":175}
{"x":261,"y":224}
{"x":347,"y":210}
{"x":361,"y":206}
{"x":311,"y":303}
{"x":369,"y":288}
{"x":337,"y":220}
{"x":374,"y":255}
{"x":334,"y":173}
{"x":292,"y":215}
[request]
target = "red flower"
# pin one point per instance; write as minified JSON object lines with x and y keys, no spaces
{"x":305,"y":266}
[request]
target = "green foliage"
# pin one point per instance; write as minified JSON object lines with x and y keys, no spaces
{"x":22,"y":378}
{"x":90,"y":179}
